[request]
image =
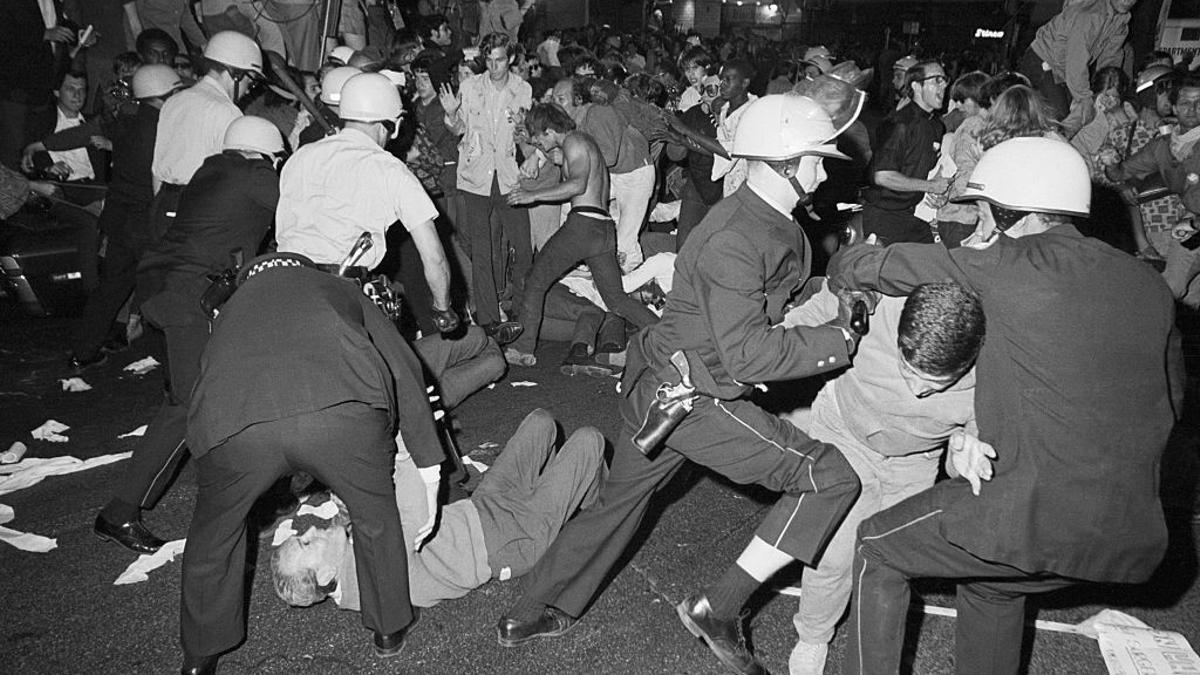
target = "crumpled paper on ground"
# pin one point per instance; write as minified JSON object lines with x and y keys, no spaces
{"x":35,"y":543}
{"x":479,"y":466}
{"x":523,"y":383}
{"x":51,"y":431}
{"x":75,"y":384}
{"x":142,"y":366}
{"x":138,"y":569}
{"x":33,"y":470}
{"x":140,"y":431}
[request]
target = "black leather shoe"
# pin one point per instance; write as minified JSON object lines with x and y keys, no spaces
{"x":579,"y":362}
{"x":391,"y":644}
{"x":552,"y":623}
{"x":200,"y":665}
{"x":132,"y":534}
{"x":723,"y":636}
{"x":504,"y":332}
{"x":79,"y":365}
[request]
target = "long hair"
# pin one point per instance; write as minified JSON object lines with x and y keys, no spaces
{"x":1018,"y":112}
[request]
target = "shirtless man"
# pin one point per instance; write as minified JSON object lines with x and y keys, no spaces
{"x":589,"y":234}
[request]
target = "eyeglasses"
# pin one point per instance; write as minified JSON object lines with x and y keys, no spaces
{"x":937,"y":79}
{"x":711,"y":89}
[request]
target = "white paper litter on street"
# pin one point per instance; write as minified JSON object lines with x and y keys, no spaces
{"x":34,"y":543}
{"x":137,"y":571}
{"x":51,"y":430}
{"x":142,"y":366}
{"x":140,"y":431}
{"x":75,"y":384}
{"x":488,"y":445}
{"x":523,"y":383}
{"x":1130,"y":650}
{"x":479,"y":466}
{"x":14,"y":453}
{"x":33,"y":470}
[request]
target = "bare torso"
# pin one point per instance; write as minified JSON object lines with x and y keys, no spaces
{"x":581,"y":153}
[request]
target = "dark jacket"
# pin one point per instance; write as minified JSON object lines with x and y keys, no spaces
{"x":294,"y":340}
{"x":132,"y":139}
{"x":1072,"y":392}
{"x":228,"y":205}
{"x":737,"y":270}
{"x":29,"y":66}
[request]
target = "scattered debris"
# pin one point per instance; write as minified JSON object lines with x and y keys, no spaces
{"x":140,"y":431}
{"x":75,"y":384}
{"x":34,"y":543}
{"x":478,"y":466}
{"x":51,"y":431}
{"x":33,"y":470}
{"x":138,"y":569}
{"x":523,"y":383}
{"x":487,"y":445}
{"x":14,"y":454}
{"x":142,"y":366}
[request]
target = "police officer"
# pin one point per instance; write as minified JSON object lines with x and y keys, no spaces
{"x":736,"y":272}
{"x":302,"y":373}
{"x":1073,"y":395}
{"x":327,"y":104}
{"x":228,"y":206}
{"x":192,"y":125}
{"x":333,"y":190}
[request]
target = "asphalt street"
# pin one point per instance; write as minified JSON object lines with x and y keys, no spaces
{"x":62,"y":613}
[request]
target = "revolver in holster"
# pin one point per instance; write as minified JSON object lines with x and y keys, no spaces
{"x":221,"y":286}
{"x":672,"y":402}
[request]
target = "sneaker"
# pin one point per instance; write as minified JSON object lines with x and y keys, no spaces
{"x":579,"y":362}
{"x":517,"y":358}
{"x":808,"y":659}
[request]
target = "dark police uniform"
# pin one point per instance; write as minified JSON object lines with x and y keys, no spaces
{"x":1072,"y":392}
{"x":736,"y":272}
{"x":302,"y":372}
{"x":228,"y":205}
{"x":909,"y":141}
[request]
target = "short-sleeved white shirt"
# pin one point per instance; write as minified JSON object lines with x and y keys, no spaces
{"x":333,"y":190}
{"x":191,"y":127}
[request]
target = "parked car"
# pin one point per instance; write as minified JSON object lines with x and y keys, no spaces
{"x":48,"y":256}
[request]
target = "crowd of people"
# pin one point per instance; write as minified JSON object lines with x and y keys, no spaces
{"x":643,"y":198}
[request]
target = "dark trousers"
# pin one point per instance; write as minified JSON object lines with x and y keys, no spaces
{"x":734,"y":438}
{"x":461,"y":366}
{"x":593,"y":241}
{"x":21,"y":114}
{"x":894,"y":227}
{"x":906,"y":542}
{"x":121,"y":221}
{"x":161,"y":451}
{"x":692,"y":210}
{"x":489,"y":258}
{"x":349,"y":448}
{"x":570,"y":318}
{"x":1055,"y":93}
{"x":162,"y":209}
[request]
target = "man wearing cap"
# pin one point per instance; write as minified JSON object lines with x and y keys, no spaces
{"x":192,"y":125}
{"x":228,"y":206}
{"x":736,"y":272}
{"x":333,"y":190}
{"x":905,"y":151}
{"x":1074,"y":493}
{"x":330,"y":383}
{"x":327,"y":104}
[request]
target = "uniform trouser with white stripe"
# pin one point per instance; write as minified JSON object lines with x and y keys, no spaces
{"x":734,"y":438}
{"x":159,"y":454}
{"x":906,"y":542}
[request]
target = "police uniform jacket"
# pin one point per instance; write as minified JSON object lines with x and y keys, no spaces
{"x":228,"y":206}
{"x":1072,"y":392}
{"x":295,"y":340}
{"x":738,"y":269}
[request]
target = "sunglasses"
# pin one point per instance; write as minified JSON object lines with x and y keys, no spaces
{"x":711,"y":89}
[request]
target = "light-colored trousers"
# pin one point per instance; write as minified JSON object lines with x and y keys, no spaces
{"x":886,"y":481}
{"x":631,"y":194}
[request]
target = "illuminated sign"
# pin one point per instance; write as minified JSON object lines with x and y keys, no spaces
{"x":989,"y":34}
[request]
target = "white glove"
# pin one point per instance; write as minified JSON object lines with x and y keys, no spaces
{"x":432,"y":477}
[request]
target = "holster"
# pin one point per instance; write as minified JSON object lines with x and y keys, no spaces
{"x":221,"y":286}
{"x":379,"y":290}
{"x":672,"y":402}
